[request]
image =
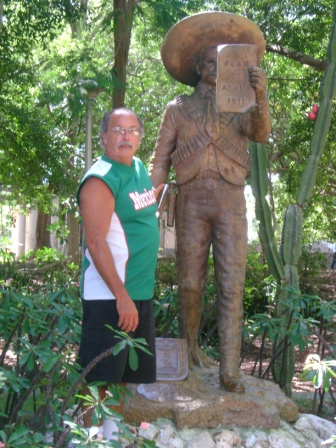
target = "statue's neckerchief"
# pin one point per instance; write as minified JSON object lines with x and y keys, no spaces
{"x":207,"y":119}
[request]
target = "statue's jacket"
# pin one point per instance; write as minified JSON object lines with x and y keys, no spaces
{"x":189,"y":128}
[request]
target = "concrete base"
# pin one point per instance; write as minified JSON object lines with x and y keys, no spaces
{"x":199,"y":402}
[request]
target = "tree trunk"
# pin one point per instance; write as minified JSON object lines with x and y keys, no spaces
{"x":42,"y":234}
{"x":1,"y":14}
{"x":81,"y":23}
{"x":123,"y":21}
{"x":73,"y":246}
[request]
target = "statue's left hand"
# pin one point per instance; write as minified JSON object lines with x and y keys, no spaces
{"x":258,"y":80}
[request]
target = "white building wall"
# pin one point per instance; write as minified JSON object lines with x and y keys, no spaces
{"x":19,"y":247}
{"x":31,"y":221}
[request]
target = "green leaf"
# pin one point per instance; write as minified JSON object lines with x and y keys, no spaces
{"x":94,"y":392}
{"x":88,"y":399}
{"x":308,"y":375}
{"x":96,"y":416}
{"x":31,"y":362}
{"x":38,"y":437}
{"x":3,"y":436}
{"x":318,"y":378}
{"x":55,"y":295}
{"x":69,"y":420}
{"x":118,"y":347}
{"x":141,"y":341}
{"x":331,"y":372}
{"x":18,"y":434}
{"x":24,"y":358}
{"x":3,"y":379}
{"x":50,"y":363}
{"x":133,"y":359}
{"x":111,"y":402}
{"x":26,"y":325}
{"x":326,"y":381}
{"x":62,"y":324}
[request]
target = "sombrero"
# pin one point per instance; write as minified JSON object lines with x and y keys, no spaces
{"x":206,"y":29}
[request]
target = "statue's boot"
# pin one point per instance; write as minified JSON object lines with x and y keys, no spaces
{"x":197,"y":358}
{"x":230,"y":335}
{"x":229,"y":376}
{"x":189,"y":319}
{"x":231,"y":382}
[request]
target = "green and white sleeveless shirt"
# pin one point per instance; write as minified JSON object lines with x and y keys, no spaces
{"x":133,"y":235}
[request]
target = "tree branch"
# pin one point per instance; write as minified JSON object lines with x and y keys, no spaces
{"x":299,"y":57}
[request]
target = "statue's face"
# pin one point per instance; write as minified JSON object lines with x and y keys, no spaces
{"x":207,"y":68}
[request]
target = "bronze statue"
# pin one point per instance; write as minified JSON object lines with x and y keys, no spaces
{"x":209,"y":153}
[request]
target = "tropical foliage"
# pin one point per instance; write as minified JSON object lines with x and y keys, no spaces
{"x":61,"y":60}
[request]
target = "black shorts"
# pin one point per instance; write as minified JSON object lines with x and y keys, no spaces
{"x":96,"y":338}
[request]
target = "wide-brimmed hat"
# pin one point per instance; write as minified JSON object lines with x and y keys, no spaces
{"x":206,"y":29}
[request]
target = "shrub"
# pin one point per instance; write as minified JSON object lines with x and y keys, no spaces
{"x":39,"y":378}
{"x":40,"y":327}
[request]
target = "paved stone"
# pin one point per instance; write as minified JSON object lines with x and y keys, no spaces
{"x":309,"y":431}
{"x":305,"y":433}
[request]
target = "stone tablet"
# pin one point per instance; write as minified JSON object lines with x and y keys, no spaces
{"x":234,"y":92}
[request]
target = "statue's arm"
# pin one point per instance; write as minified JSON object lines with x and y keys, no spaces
{"x":165,"y":144}
{"x":257,"y":124}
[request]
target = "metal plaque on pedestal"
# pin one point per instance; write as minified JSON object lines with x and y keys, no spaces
{"x":171,"y":359}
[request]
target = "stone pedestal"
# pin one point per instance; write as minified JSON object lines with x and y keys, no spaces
{"x":199,"y":402}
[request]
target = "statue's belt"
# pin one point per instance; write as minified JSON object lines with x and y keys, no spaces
{"x":209,"y":185}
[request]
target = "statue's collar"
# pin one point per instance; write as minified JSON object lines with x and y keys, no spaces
{"x":204,"y":89}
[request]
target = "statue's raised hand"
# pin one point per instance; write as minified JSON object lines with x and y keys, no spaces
{"x":258,"y":80}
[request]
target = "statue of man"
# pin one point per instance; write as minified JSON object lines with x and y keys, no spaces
{"x":208,"y":151}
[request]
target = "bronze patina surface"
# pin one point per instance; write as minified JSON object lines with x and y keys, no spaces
{"x":209,"y":152}
{"x":207,"y":29}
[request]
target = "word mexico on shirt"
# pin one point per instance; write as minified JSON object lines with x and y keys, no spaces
{"x":143,"y":200}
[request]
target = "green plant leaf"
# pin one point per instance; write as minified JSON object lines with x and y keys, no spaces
{"x":95,"y":418}
{"x":133,"y":359}
{"x":50,"y":363}
{"x":18,"y":434}
{"x":94,"y":392}
{"x":3,"y":436}
{"x":31,"y":362}
{"x":326,"y":380}
{"x":118,"y":347}
{"x":307,"y":375}
{"x":38,"y":437}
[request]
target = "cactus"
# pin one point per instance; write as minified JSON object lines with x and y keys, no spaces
{"x":259,"y":186}
{"x":291,"y":241}
{"x":322,"y":123}
{"x":283,"y":264}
